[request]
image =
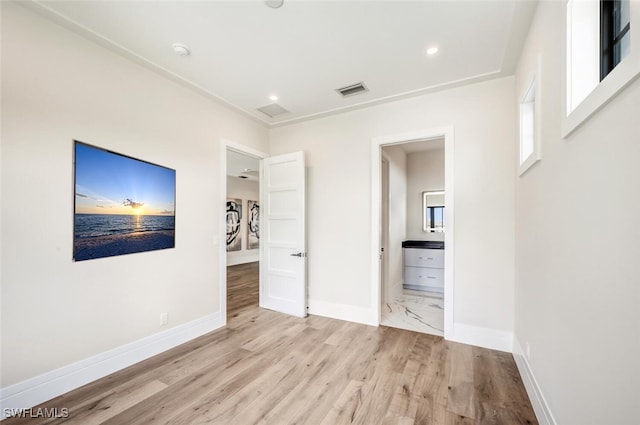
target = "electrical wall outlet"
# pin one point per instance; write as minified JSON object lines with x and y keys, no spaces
{"x":164,"y":319}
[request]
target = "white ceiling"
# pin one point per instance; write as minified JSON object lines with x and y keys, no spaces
{"x":243,"y":51}
{"x":242,"y":166}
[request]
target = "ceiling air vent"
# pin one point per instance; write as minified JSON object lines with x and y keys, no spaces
{"x":273,"y":110}
{"x":352,"y":89}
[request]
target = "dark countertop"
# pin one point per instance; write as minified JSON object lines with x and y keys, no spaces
{"x":423,"y":244}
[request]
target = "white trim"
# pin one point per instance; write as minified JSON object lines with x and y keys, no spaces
{"x":251,"y":258}
{"x":384,"y":237}
{"x":540,"y":405}
{"x":33,"y":391}
{"x":221,"y":240}
{"x":376,"y":144}
{"x":534,"y":79}
{"x":350,"y":313}
{"x":619,"y":78}
{"x":482,"y":337}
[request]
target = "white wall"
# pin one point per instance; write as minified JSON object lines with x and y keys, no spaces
{"x":577,"y":250}
{"x":338,"y":152}
{"x":247,"y":190}
{"x":56,"y":87}
{"x":397,"y":216}
{"x":425,"y":172}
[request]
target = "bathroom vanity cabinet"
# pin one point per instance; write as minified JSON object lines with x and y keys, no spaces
{"x":423,"y":265}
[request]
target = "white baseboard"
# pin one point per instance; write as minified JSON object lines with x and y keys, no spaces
{"x":234,"y":261}
{"x":33,"y":391}
{"x":482,"y":337}
{"x":346,"y":312}
{"x":540,"y":405}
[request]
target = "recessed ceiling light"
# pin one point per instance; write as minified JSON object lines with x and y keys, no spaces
{"x":181,"y":49}
{"x":432,"y":50}
{"x":273,"y":97}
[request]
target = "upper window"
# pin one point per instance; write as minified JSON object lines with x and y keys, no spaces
{"x":528,"y":128}
{"x":530,"y":138}
{"x":615,"y":38}
{"x":602,"y":55}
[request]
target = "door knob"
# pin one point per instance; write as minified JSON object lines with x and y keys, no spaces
{"x":299,"y":254}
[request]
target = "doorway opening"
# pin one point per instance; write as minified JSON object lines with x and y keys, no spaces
{"x":412,"y":293}
{"x":413,"y":274}
{"x":240,"y":253}
{"x":243,"y":232}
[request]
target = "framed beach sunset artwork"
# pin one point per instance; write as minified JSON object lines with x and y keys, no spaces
{"x":123,"y":205}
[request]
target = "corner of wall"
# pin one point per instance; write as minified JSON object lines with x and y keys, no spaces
{"x":482,"y":337}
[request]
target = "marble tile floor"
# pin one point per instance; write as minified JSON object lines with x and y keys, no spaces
{"x":415,"y":311}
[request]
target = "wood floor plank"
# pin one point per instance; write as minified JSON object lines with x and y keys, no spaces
{"x":461,"y":398}
{"x":265,"y":402}
{"x":401,"y":404}
{"x":242,"y":287}
{"x":344,"y":408}
{"x":432,"y":384}
{"x":268,"y":368}
{"x":376,"y":397}
{"x":337,"y":370}
{"x":222,"y":409}
{"x":115,"y":403}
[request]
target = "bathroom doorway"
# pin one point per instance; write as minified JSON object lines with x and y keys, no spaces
{"x":416,"y":261}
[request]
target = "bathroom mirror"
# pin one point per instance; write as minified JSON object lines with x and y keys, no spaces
{"x":433,"y":211}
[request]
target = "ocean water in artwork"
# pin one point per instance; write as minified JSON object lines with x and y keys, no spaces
{"x":93,"y":225}
{"x":104,"y":235}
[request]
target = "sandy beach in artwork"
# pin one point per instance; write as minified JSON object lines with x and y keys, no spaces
{"x":126,"y":243}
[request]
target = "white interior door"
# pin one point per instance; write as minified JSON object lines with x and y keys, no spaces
{"x":283,"y":280}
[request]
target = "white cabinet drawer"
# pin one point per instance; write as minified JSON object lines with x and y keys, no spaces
{"x":421,"y":257}
{"x":424,"y":276}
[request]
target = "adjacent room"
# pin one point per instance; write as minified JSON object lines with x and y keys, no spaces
{"x":319,"y":212}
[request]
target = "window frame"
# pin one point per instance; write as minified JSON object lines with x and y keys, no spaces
{"x":609,"y":38}
{"x":533,"y":87}
{"x":619,"y":78}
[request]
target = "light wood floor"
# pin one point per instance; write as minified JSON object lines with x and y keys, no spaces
{"x":242,"y":288}
{"x":270,"y":368}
